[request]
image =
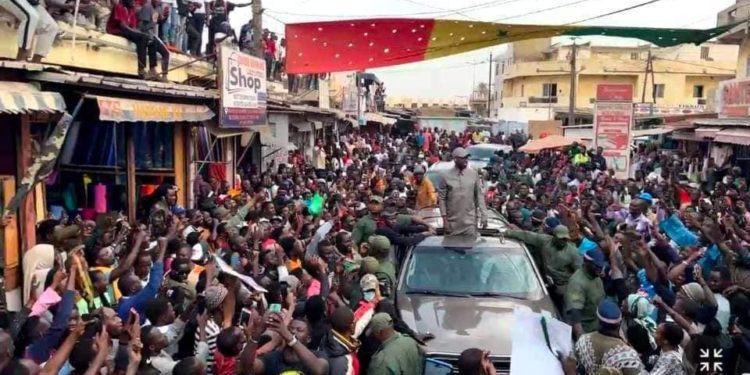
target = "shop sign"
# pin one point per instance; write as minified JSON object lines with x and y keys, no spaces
{"x":129,"y":110}
{"x":733,"y":98}
{"x":242,"y":86}
{"x":613,"y":119}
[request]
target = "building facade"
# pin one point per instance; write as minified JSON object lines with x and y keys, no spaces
{"x":533,"y":78}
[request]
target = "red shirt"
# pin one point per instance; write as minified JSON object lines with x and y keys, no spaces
{"x":271,"y":46}
{"x":120,"y":14}
{"x":224,"y":365}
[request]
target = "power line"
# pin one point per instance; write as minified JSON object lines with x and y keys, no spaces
{"x":454,"y":11}
{"x":439,"y":8}
{"x":541,"y":10}
{"x":616,"y":12}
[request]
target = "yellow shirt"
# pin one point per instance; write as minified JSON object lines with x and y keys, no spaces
{"x":426,"y":195}
{"x":112,"y":290}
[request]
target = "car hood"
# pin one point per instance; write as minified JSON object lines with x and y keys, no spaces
{"x":462,"y":323}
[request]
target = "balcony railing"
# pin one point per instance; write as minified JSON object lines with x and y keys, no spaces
{"x":542,"y":99}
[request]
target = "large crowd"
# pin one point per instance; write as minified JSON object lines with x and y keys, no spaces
{"x":292,"y":270}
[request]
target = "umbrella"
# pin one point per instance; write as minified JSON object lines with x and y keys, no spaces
{"x":552,"y":141}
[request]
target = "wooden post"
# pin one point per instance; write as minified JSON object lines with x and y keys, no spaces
{"x":179,"y":163}
{"x":130,"y":167}
{"x":27,"y":211}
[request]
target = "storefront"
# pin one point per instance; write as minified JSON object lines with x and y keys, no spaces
{"x":129,"y":137}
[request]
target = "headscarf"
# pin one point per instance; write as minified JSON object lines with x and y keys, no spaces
{"x":38,"y":261}
{"x":642,"y":310}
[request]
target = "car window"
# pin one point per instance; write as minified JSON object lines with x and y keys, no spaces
{"x":480,"y":153}
{"x":472,"y":270}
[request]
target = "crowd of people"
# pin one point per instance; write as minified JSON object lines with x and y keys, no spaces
{"x":293,"y":271}
{"x":154,"y":26}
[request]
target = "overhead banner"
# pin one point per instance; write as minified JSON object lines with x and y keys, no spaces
{"x":347,"y":45}
{"x":242,"y":86}
{"x":613,"y":120}
{"x":732,"y":98}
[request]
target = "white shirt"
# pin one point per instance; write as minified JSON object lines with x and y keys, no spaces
{"x":202,"y":9}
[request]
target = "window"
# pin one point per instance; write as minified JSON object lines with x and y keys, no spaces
{"x":659,"y":90}
{"x":425,"y":105}
{"x":549,"y":90}
{"x":502,"y":68}
{"x":414,"y":105}
{"x":635,"y":56}
{"x":522,"y":91}
{"x":698,"y":91}
{"x":705,"y":52}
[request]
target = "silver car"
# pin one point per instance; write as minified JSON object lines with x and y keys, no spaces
{"x":464,"y":292}
{"x":479,"y":158}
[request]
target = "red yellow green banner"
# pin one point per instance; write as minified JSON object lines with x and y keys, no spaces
{"x":321,"y":47}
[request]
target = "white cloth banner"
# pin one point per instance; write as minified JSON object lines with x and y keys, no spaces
{"x":530,"y":354}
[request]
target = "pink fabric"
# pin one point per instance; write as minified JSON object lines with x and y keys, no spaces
{"x":313,"y":289}
{"x":100,"y":198}
{"x":48,"y":299}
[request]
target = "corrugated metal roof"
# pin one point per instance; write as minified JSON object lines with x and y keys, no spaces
{"x":125,"y":84}
{"x":734,"y":136}
{"x":22,"y":97}
{"x":723,"y":122}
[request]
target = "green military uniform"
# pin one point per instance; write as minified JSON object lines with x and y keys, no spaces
{"x":397,"y":355}
{"x":584,"y":293}
{"x":559,"y":264}
{"x":386,"y":270}
{"x":367,"y":225}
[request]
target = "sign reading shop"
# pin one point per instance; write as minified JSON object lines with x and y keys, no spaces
{"x":242,"y":85}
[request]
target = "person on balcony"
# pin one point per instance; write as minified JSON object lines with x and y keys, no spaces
{"x":123,"y":22}
{"x":33,"y":20}
{"x":150,"y":16}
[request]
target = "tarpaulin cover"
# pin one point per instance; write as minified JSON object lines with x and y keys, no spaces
{"x":21,"y":97}
{"x":332,"y":46}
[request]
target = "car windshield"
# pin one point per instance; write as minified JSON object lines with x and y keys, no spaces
{"x":471,"y":271}
{"x":480,"y":153}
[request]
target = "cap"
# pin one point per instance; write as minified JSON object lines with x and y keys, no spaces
{"x":215,"y":295}
{"x":608,"y":312}
{"x":460,"y":152}
{"x":646,"y":197}
{"x":360,"y":206}
{"x":595,"y":256}
{"x":379,"y":244}
{"x":368,"y":282}
{"x":379,"y":322}
{"x":561,"y":232}
{"x":419,"y":169}
{"x":376,"y":198}
{"x":370,"y":264}
{"x":551,"y":222}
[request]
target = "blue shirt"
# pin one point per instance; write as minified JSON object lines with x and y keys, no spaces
{"x":138,"y":301}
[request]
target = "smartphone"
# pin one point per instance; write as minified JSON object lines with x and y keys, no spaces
{"x":274,"y":308}
{"x":245,"y":315}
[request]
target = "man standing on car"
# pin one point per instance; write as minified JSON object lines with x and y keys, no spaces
{"x":461,"y":198}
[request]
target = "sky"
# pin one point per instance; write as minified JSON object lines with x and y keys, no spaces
{"x":455,"y":75}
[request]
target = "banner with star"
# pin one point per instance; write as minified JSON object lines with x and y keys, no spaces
{"x":334,"y":46}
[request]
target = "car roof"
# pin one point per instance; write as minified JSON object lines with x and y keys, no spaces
{"x":494,"y":146}
{"x":463,"y":242}
{"x":495,"y":221}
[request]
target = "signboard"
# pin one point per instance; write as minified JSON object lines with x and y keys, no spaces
{"x":130,"y":110}
{"x":242,"y":86}
{"x":613,"y":119}
{"x":681,"y":109}
{"x":733,"y":98}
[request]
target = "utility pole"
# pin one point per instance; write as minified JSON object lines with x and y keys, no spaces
{"x":572,"y":106}
{"x":489,"y":89}
{"x":257,"y":23}
{"x":645,"y":76}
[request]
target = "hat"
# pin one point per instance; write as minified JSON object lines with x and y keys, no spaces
{"x":419,"y":169}
{"x":646,"y":197}
{"x":551,"y":222}
{"x":561,"y":232}
{"x":379,"y":244}
{"x":460,"y":152}
{"x":376,"y":198}
{"x":595,"y":256}
{"x":693,"y":291}
{"x":370,"y":264}
{"x":215,"y":295}
{"x":360,"y":206}
{"x":538,"y":215}
{"x":277,"y":218}
{"x":608,"y":312}
{"x":368,"y":282}
{"x":221,"y":213}
{"x":379,"y":322}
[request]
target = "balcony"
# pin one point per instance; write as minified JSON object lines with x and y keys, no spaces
{"x":731,"y":15}
{"x":543,"y":99}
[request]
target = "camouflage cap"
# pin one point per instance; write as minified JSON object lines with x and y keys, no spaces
{"x":368,"y":282}
{"x":370,"y":264}
{"x":379,"y":322}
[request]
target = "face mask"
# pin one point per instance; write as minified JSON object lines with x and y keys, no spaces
{"x":369,"y":296}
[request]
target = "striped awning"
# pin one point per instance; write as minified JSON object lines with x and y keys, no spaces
{"x":22,"y":97}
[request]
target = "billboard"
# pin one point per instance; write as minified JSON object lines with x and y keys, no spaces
{"x":733,"y":98}
{"x":242,"y":87}
{"x":613,"y":120}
